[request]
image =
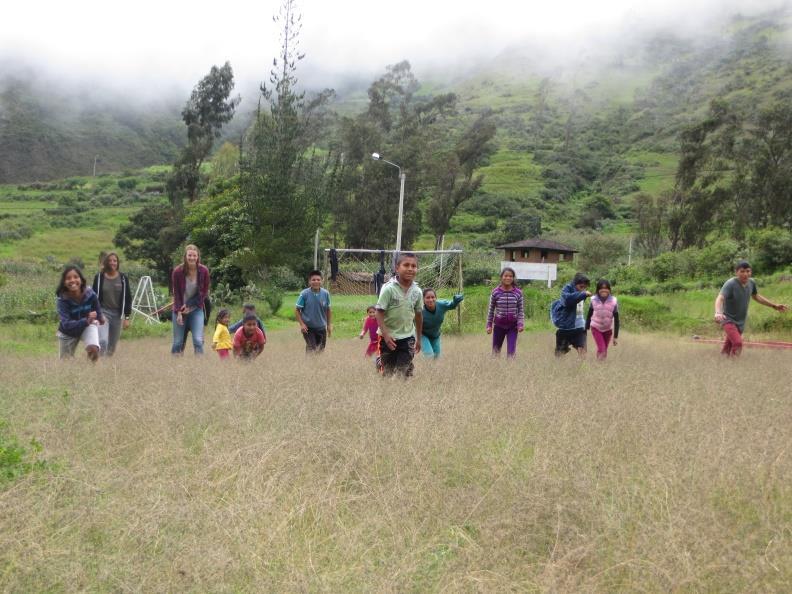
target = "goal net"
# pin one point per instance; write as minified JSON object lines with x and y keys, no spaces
{"x":363,"y":272}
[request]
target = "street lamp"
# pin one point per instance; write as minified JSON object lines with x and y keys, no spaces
{"x":402,"y":177}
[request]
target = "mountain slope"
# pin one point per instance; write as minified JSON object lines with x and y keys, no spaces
{"x":51,"y":133}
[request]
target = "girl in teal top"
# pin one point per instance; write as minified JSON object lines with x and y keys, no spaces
{"x":434,"y":311}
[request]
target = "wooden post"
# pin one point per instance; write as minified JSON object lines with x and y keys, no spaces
{"x":461,"y":290}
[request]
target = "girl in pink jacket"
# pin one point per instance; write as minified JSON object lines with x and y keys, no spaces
{"x":603,"y":318}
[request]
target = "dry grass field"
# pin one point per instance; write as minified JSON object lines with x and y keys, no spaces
{"x":665,"y":469}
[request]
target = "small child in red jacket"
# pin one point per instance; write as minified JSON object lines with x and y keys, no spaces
{"x":249,"y":341}
{"x":370,"y":325}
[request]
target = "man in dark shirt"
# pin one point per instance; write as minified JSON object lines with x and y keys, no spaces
{"x":731,"y":307}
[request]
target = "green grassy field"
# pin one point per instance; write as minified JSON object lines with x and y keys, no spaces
{"x":663,"y":469}
{"x":72,"y":219}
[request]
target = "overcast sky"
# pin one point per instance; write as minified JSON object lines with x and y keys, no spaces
{"x":170,"y":44}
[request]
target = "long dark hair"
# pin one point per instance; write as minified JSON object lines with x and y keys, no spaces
{"x":514,"y":274}
{"x":603,"y":283}
{"x":61,"y":288}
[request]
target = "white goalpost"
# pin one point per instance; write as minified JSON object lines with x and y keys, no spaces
{"x":363,"y":271}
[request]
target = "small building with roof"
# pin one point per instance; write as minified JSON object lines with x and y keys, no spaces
{"x":540,"y":251}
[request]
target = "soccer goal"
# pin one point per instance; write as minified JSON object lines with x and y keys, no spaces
{"x":363,"y":272}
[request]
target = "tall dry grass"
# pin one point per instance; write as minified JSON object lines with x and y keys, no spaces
{"x":664,"y":469}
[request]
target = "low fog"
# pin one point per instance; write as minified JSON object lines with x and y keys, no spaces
{"x":155,"y":50}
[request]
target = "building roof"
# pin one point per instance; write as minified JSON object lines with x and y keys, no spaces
{"x":542,"y":244}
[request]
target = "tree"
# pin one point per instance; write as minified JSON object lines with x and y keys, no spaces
{"x":596,"y":208}
{"x":763,"y":175}
{"x":219,"y":224}
{"x":521,"y":226}
{"x":455,"y":174}
{"x":204,"y":114}
{"x":407,"y":130}
{"x":151,"y":236}
{"x":734,"y":173}
{"x":279,"y":173}
{"x":599,"y":252}
{"x":650,"y":213}
{"x":156,"y":231}
{"x":225,"y":162}
{"x":542,"y":111}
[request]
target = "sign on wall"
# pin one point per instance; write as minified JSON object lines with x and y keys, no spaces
{"x":533,"y":271}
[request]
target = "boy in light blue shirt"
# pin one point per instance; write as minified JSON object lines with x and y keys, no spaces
{"x":313,"y":314}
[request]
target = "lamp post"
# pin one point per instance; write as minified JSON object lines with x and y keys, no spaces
{"x":402,"y":177}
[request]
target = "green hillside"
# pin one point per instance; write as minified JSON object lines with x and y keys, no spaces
{"x":577,"y":140}
{"x":48,"y":132}
{"x":609,"y":123}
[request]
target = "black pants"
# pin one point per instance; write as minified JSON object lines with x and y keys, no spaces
{"x":315,"y":340}
{"x":398,"y":360}
{"x":567,"y":339}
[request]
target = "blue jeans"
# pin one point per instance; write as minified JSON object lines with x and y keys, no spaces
{"x":430,"y":347}
{"x":194,"y":323}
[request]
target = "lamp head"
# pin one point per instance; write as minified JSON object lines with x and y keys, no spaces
{"x":375,"y":156}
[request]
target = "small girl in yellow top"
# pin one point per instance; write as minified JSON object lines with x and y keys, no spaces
{"x":222,"y":341}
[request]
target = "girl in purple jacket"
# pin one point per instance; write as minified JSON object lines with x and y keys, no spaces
{"x":505,"y":316}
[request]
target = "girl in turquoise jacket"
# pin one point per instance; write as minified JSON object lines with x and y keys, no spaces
{"x":434,"y":311}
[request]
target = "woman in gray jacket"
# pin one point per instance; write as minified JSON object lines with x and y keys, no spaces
{"x":112,"y":287}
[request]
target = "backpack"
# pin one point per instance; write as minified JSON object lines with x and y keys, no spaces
{"x":557,"y":312}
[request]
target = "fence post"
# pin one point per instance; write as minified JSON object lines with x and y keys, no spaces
{"x":461,"y":290}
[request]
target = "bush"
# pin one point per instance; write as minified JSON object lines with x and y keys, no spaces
{"x":717,"y":259}
{"x":621,"y":275}
{"x":598,"y":253}
{"x":222,"y":294}
{"x":478,"y":275}
{"x":284,"y":278}
{"x":14,"y":231}
{"x":274,"y":299}
{"x":250,"y":292}
{"x":772,"y":249}
{"x":644,"y":312}
{"x":664,"y":267}
{"x":128,"y":183}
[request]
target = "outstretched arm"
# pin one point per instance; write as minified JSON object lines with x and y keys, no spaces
{"x":765,"y":301}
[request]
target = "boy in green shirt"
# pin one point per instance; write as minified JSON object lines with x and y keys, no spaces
{"x":400,"y":318}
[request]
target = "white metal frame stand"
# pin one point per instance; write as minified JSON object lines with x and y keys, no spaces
{"x":145,"y":302}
